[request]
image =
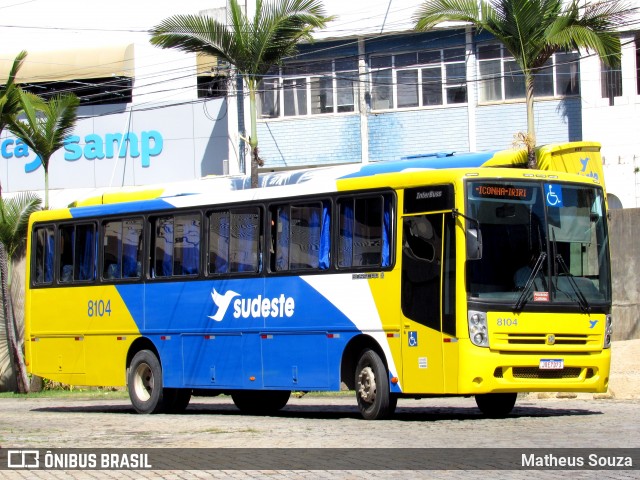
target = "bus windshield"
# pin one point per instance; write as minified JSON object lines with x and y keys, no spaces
{"x":542,"y":243}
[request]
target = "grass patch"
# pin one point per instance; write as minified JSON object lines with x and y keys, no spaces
{"x":341,"y":393}
{"x":77,"y":393}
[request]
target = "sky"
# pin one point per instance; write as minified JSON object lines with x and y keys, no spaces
{"x":44,"y":25}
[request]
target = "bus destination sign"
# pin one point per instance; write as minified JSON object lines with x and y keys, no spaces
{"x":503,"y":192}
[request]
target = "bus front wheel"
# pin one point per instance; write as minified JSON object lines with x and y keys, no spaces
{"x":144,"y":382}
{"x":372,"y":387}
{"x":496,"y":405}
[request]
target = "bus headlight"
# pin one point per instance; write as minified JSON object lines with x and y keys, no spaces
{"x":478,"y":332}
{"x":608,"y":331}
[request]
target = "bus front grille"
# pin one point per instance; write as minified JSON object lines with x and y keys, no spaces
{"x":536,"y":373}
{"x":542,"y":339}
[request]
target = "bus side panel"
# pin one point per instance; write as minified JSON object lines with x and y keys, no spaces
{"x":287,"y":333}
{"x":295,"y":360}
{"x":79,"y":335}
{"x":212,"y":360}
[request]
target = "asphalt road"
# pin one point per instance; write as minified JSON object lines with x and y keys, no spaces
{"x":321,"y":422}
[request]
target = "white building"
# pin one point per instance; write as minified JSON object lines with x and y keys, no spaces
{"x":154,"y":116}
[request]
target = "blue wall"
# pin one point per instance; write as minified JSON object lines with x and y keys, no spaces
{"x":323,"y":140}
{"x":393,"y":135}
{"x":556,"y":121}
{"x":310,"y":141}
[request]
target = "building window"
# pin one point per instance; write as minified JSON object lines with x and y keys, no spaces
{"x":418,"y":79}
{"x":501,"y":77}
{"x":610,"y":82}
{"x":311,"y":88}
{"x":92,"y":91}
{"x":212,"y":86}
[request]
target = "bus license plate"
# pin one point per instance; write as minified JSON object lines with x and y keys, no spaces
{"x":551,"y":364}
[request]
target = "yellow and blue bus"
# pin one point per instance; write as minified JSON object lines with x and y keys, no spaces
{"x":432,"y":276}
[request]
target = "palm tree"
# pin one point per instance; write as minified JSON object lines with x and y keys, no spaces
{"x":533,"y":30}
{"x":46,"y":125}
{"x":251,"y":46}
{"x":14,"y":220}
{"x":9,"y":106}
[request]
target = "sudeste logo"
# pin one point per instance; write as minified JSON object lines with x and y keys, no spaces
{"x":259,"y":306}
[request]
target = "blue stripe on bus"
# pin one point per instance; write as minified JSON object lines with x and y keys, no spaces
{"x":467,"y":160}
{"x":120,"y":208}
{"x":190,"y":307}
{"x":201,"y":347}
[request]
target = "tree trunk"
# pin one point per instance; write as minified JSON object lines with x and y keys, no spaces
{"x":532,"y":161}
{"x":253,"y":139}
{"x":15,"y":348}
{"x":46,"y":185}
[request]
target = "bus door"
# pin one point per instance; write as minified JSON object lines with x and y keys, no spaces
{"x":427,"y":299}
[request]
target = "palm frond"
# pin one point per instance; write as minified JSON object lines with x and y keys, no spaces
{"x":433,"y":12}
{"x":9,"y":92}
{"x":252,"y":47}
{"x":14,"y":219}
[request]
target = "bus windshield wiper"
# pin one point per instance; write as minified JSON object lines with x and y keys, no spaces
{"x":536,"y":269}
{"x":582,"y":300}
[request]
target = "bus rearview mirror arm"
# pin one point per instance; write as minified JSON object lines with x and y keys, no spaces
{"x":473,"y":236}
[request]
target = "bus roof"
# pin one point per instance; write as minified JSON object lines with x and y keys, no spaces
{"x":325,"y":178}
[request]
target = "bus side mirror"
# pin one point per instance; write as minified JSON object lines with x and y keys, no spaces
{"x":474,"y":243}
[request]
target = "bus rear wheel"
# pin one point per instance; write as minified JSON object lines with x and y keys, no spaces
{"x":176,"y":400}
{"x":496,"y":405}
{"x":144,"y":382}
{"x":372,"y":387}
{"x":260,"y":402}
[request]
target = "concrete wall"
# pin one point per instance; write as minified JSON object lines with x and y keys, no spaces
{"x":624,"y":231}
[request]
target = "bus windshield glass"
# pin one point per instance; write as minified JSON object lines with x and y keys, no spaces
{"x":542,"y":243}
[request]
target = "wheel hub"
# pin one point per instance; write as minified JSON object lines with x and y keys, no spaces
{"x":143,"y":382}
{"x":367,"y":385}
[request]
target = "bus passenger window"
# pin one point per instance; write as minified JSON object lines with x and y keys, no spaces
{"x":163,"y":247}
{"x":85,"y":253}
{"x":219,"y":242}
{"x":244,"y":240}
{"x":301,"y":237}
{"x":305,"y":237}
{"x":186,"y":256}
{"x":43,"y":255}
{"x":365,"y":231}
{"x":122,"y":249}
{"x":65,"y":255}
{"x":176,"y":249}
{"x":234,"y":241}
{"x":77,"y":256}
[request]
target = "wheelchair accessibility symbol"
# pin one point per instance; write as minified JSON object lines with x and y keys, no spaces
{"x":413,"y":339}
{"x":553,"y":195}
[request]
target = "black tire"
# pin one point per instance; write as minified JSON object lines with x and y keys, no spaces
{"x":372,"y":387}
{"x":144,"y":382}
{"x":175,"y":400}
{"x":496,"y":405}
{"x":260,"y":402}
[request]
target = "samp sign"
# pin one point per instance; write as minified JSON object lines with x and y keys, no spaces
{"x":95,"y":147}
